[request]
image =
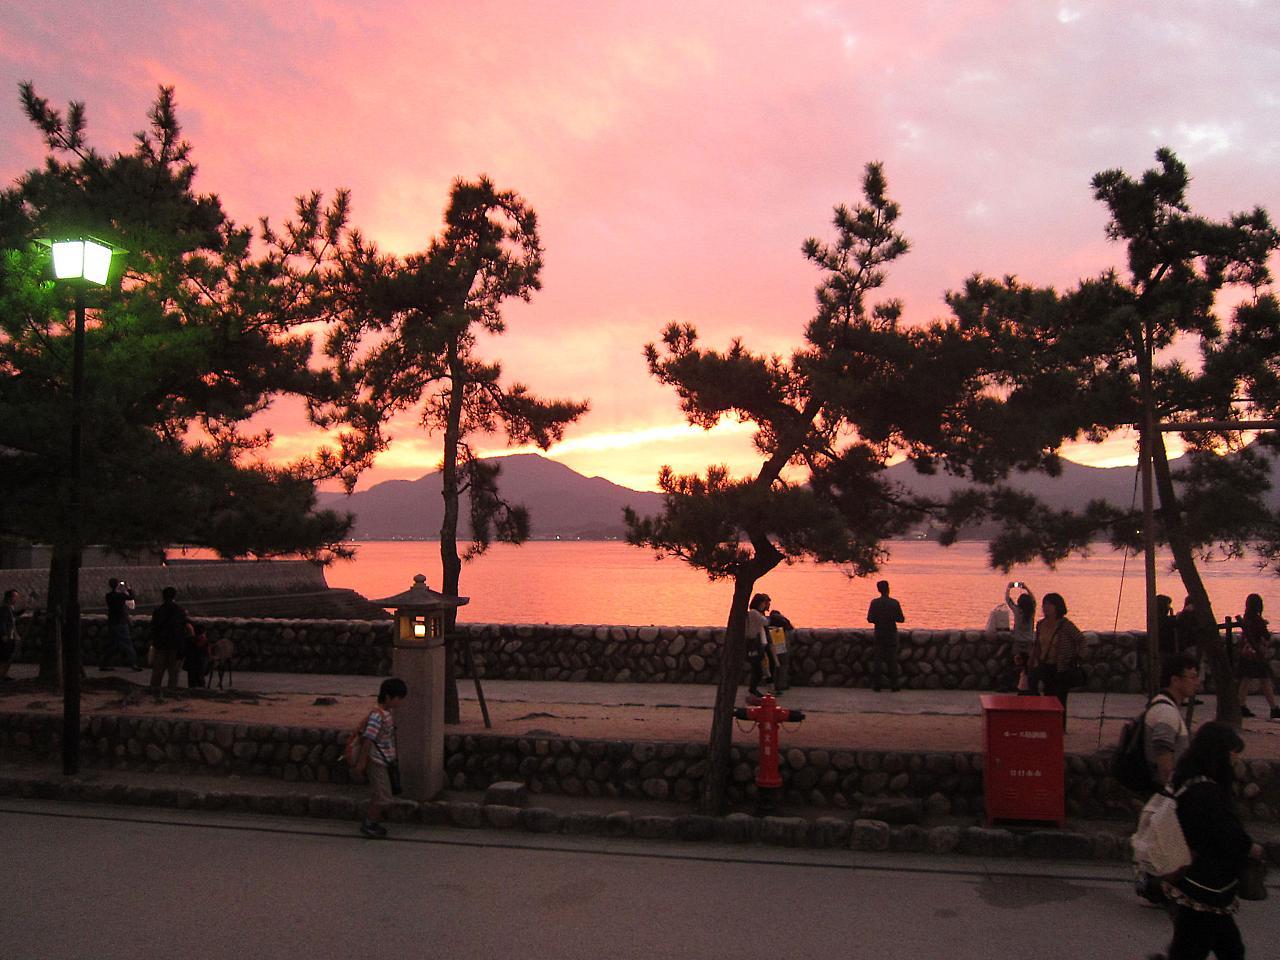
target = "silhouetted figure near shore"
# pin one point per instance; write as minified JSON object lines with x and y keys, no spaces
{"x":169,"y":631}
{"x":120,"y":602}
{"x":885,"y":613}
{"x":1255,"y":656}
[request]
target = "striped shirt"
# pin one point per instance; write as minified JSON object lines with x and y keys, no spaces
{"x":381,"y":729}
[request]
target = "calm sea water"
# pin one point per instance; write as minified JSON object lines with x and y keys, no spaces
{"x":610,"y":582}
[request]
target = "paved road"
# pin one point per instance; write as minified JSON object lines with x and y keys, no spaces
{"x":152,"y":884}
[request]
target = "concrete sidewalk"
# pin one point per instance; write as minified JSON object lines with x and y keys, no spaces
{"x":838,"y":718}
{"x":1082,"y":706}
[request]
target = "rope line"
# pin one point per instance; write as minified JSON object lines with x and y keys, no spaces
{"x":1115,"y":624}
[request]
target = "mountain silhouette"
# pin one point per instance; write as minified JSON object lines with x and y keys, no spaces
{"x":562,"y":503}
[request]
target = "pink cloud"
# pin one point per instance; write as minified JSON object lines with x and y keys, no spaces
{"x":679,"y":153}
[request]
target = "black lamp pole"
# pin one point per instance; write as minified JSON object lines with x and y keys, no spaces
{"x":71,"y":625}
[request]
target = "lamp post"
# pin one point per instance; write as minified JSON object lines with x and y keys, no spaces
{"x":418,"y":658}
{"x":81,"y":262}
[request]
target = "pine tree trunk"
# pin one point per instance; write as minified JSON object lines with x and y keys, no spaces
{"x":712,"y":799}
{"x":450,"y":562}
{"x":1227,"y":687}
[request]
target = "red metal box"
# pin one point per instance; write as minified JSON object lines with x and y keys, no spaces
{"x":1024,"y":775}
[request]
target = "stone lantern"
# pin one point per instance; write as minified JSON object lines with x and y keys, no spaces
{"x":418,"y":659}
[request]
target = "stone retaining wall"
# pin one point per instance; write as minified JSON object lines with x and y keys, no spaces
{"x":928,"y":659}
{"x":898,"y":786}
{"x":192,"y":580}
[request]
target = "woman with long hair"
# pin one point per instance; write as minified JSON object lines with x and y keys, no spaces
{"x":1204,"y":895}
{"x":1255,"y":656}
{"x":757,"y":632}
{"x":1057,"y":649}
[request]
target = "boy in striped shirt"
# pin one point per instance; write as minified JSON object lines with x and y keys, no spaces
{"x":378,"y":751}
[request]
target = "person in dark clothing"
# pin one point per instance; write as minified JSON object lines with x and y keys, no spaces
{"x":119,"y":602}
{"x":1204,"y":895}
{"x":8,"y":632}
{"x":195,"y":657}
{"x":1059,"y":644}
{"x":885,"y":613}
{"x":1255,"y":656}
{"x":1189,"y":638}
{"x":1167,"y":633}
{"x":780,"y":655}
{"x":169,"y":631}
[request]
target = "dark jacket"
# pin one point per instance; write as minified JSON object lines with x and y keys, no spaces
{"x":1218,"y":841}
{"x":886,"y":614}
{"x":169,"y":627}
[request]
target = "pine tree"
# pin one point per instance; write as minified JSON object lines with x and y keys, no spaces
{"x":199,"y":330}
{"x":1032,"y":368}
{"x":825,"y":428}
{"x":415,"y":347}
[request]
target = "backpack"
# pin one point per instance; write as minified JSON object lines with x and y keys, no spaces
{"x":351,"y":750}
{"x":1159,"y":845}
{"x":1129,"y":764}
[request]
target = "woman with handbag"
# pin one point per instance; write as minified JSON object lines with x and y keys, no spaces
{"x":1055,"y":655}
{"x":1204,"y":896}
{"x":1255,"y":656}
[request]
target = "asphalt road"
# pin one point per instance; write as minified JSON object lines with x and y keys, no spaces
{"x":101,"y":882}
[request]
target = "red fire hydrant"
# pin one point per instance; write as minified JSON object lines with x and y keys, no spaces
{"x":767,"y":715}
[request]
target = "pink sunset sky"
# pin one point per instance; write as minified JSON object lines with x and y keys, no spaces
{"x":678,"y":153}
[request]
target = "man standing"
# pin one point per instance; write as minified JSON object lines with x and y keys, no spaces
{"x":119,"y":602}
{"x":169,"y":627}
{"x":885,"y":613}
{"x":8,"y":632}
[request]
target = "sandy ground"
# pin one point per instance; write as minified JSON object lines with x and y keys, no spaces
{"x":835,"y":719}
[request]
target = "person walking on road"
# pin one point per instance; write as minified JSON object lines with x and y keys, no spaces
{"x":378,"y":760}
{"x":885,"y":613}
{"x":1204,"y":895}
{"x":169,"y":631}
{"x":757,"y":635}
{"x":119,"y":602}
{"x":1165,"y":738}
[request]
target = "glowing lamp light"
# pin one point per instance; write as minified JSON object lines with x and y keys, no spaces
{"x":419,"y":628}
{"x":77,"y":259}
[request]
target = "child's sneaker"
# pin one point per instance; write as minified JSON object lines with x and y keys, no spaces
{"x":374,"y":830}
{"x":1246,"y":712}
{"x":1275,"y":713}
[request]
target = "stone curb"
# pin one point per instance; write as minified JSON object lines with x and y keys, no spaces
{"x":829,"y":833}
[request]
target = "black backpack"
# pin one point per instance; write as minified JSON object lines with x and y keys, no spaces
{"x":1129,"y":765}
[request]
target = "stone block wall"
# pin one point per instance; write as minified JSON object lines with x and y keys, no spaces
{"x":928,"y":659}
{"x":866,"y":782}
{"x":286,"y":646}
{"x":192,"y":580}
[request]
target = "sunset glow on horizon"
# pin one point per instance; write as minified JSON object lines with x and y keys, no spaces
{"x":677,"y":155}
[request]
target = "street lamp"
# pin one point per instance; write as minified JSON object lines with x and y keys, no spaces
{"x":81,"y":261}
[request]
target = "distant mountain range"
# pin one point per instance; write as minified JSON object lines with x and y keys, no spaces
{"x":564,"y":504}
